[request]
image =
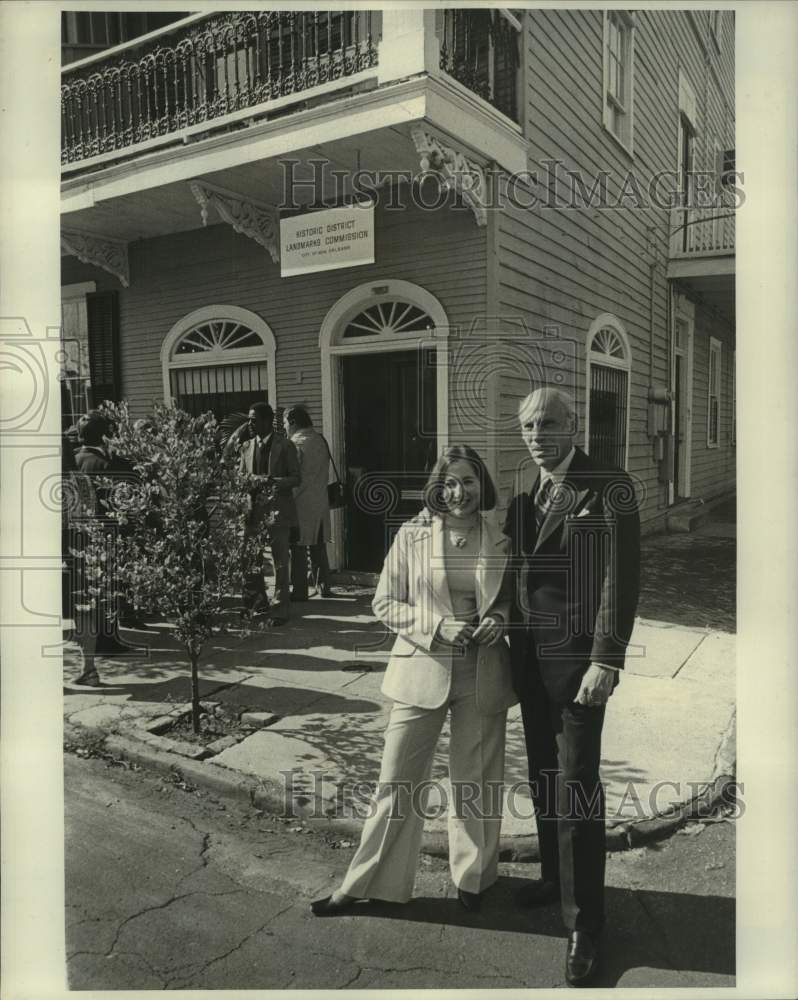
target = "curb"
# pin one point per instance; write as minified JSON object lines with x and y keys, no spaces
{"x":268,"y":797}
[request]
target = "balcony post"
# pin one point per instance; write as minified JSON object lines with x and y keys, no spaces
{"x":409,"y":44}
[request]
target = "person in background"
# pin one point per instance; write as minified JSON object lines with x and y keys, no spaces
{"x":97,"y":628}
{"x":312,"y":509}
{"x":273,"y":467}
{"x":96,"y":459}
{"x":444,"y":590}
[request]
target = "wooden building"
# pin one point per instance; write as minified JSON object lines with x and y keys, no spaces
{"x":554,"y":197}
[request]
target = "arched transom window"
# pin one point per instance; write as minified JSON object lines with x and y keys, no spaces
{"x":389,"y":318}
{"x":217,"y":337}
{"x":609,"y":360}
{"x":219,"y":358}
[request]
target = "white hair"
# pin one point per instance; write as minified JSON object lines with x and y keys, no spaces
{"x":547,"y":394}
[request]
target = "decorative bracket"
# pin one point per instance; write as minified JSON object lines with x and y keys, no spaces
{"x":250,"y":218}
{"x":110,"y":255}
{"x":454,"y":170}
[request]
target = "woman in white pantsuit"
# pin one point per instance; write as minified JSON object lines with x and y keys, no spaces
{"x":444,"y":591}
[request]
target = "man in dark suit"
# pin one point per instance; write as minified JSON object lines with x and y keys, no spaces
{"x":272,"y":463}
{"x":575,"y":536}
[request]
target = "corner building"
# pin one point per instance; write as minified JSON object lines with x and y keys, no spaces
{"x":554,"y":197}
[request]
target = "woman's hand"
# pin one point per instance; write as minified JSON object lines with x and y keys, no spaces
{"x":489,"y":630}
{"x":455,"y":632}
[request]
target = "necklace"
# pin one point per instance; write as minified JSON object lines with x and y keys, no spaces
{"x":459,"y":536}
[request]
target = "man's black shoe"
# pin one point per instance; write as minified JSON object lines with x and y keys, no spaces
{"x":581,"y":958}
{"x":538,"y":893}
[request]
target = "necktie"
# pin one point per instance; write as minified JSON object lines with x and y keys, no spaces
{"x":542,"y":501}
{"x":261,"y":459}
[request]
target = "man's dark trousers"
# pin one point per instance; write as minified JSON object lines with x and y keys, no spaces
{"x":563,"y":743}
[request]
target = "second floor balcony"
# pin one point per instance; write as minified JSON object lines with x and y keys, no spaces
{"x":222,"y":71}
{"x":702,"y":254}
{"x":702,"y":233}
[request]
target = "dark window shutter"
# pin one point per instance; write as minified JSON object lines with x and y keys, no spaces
{"x":102,"y":310}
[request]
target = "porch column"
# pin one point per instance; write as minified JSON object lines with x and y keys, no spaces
{"x":409,"y":44}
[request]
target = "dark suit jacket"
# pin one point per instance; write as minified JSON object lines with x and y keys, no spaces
{"x":576,"y":580}
{"x":284,"y":469}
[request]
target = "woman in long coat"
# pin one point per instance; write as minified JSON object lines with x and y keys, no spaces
{"x":312,"y":508}
{"x":444,"y":591}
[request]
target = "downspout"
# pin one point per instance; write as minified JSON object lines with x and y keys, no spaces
{"x":652,"y":279}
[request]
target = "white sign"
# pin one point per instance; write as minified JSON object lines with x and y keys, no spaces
{"x":323,"y":241}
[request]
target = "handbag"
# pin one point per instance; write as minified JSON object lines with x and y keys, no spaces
{"x":336,"y":491}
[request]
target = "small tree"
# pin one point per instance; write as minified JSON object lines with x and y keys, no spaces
{"x":176,"y":524}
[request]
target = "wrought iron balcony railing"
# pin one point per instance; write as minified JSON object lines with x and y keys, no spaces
{"x":480,"y":49}
{"x":702,"y":232}
{"x":206,"y":69}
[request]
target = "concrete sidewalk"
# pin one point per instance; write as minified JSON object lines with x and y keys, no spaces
{"x":668,"y":734}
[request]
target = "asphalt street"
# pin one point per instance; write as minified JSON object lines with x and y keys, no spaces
{"x":167,"y":888}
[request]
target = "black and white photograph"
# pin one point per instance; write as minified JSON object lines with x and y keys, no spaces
{"x":371,"y":492}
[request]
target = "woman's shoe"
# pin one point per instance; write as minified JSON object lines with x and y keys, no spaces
{"x":328,"y":907}
{"x":472,"y":901}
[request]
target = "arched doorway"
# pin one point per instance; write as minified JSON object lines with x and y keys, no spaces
{"x":384,"y":399}
{"x":219,"y":358}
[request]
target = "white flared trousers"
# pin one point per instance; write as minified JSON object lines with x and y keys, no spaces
{"x":385,"y":863}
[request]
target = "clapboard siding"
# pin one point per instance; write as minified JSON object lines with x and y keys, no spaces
{"x":544,"y":273}
{"x":560,"y":267}
{"x":713,"y":469}
{"x":442,"y":251}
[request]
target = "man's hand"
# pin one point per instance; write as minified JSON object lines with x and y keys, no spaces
{"x":596,"y":686}
{"x":455,"y":632}
{"x":488,"y":631}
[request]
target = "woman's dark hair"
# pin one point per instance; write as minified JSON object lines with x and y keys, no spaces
{"x":298,"y":415}
{"x":433,"y":491}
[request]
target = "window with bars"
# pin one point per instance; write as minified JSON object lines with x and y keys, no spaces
{"x":618,"y":74}
{"x":219,"y":365}
{"x":713,"y":400}
{"x":609,"y":362}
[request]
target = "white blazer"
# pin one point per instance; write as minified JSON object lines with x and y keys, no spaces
{"x":412,"y":601}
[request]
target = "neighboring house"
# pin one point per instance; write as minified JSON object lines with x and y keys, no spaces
{"x":553,"y":253}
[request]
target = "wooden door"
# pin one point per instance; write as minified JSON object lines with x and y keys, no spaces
{"x":390,"y":446}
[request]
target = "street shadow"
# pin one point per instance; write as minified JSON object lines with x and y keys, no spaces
{"x":646,"y":929}
{"x":279,"y":700}
{"x":333,"y":646}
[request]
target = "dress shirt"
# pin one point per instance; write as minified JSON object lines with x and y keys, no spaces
{"x":263,"y":446}
{"x":557,"y":475}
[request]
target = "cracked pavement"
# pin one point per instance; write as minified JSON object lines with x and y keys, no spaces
{"x":169,"y":889}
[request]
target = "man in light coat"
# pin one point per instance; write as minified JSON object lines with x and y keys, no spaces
{"x":313,"y":511}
